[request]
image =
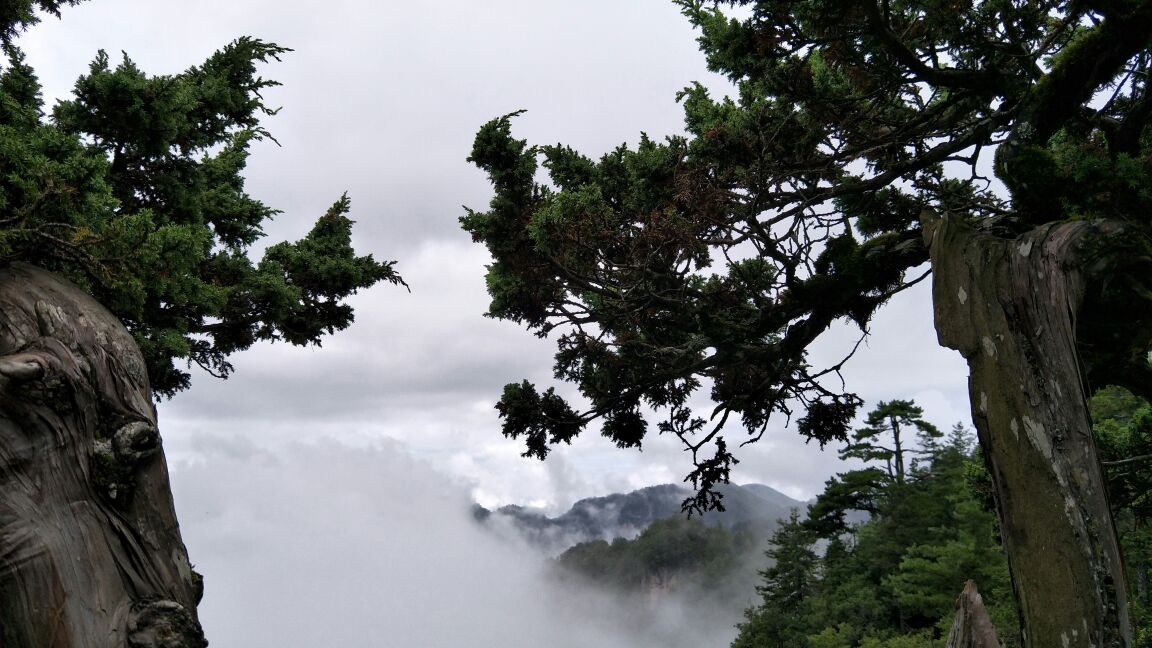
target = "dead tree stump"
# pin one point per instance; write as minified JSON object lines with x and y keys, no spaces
{"x":972,"y":627}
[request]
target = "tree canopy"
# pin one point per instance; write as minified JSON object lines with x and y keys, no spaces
{"x":1003,"y":143}
{"x":133,"y":189}
{"x":17,"y":15}
{"x":891,"y":580}
{"x":1123,"y":425}
{"x":713,"y":260}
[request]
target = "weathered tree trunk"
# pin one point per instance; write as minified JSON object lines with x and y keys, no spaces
{"x":971,"y":627}
{"x":1010,"y":307}
{"x":899,"y":453}
{"x":90,"y":551}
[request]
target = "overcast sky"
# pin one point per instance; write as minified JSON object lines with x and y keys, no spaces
{"x":382,"y":99}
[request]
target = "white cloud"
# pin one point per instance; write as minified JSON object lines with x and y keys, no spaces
{"x":323,"y":544}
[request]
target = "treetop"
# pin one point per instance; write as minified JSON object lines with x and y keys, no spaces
{"x":133,"y":188}
{"x":711,"y":261}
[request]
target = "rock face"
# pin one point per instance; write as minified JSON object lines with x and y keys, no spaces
{"x":90,"y":550}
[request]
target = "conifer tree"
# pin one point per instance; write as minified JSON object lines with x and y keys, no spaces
{"x":888,"y":581}
{"x":788,"y":583}
{"x":881,"y":440}
{"x":1003,"y":144}
{"x":125,"y":207}
{"x":133,"y":190}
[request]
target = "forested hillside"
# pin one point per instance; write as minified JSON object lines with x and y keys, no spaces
{"x":892,"y":581}
{"x":750,"y":508}
{"x":673,"y":554}
{"x":878,"y":558}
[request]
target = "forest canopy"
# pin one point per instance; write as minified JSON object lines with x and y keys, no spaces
{"x":134,"y":189}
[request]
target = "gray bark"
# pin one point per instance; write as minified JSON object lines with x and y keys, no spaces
{"x":1010,"y":307}
{"x":971,"y":627}
{"x":90,"y":551}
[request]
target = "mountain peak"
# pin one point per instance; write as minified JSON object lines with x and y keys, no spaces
{"x":755,"y":507}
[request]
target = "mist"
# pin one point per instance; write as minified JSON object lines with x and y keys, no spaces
{"x":325,"y":544}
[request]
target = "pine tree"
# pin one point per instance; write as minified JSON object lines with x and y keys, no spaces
{"x":134,"y":191}
{"x":890,"y":581}
{"x":853,"y":149}
{"x":890,"y":420}
{"x":788,"y":583}
{"x":126,"y":208}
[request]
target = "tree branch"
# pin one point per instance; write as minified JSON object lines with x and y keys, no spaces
{"x":1082,"y":68}
{"x":1125,"y":462}
{"x":986,"y":80}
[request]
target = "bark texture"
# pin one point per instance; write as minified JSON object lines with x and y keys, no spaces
{"x":90,"y":551}
{"x":1010,"y":308}
{"x":971,"y":627}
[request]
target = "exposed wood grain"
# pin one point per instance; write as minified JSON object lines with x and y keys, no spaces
{"x":90,"y":550}
{"x":971,"y":627}
{"x":1009,"y":306}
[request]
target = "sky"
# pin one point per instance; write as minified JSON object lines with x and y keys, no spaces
{"x":382,"y":100}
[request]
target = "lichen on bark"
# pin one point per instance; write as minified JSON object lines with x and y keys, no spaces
{"x":1016,"y":326}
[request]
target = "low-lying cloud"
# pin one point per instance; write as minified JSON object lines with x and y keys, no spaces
{"x":323,"y":544}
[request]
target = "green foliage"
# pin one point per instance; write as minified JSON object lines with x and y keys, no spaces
{"x":891,"y":581}
{"x":888,"y":421}
{"x":884,"y":441}
{"x":673,"y":553}
{"x":1123,"y":426}
{"x":848,"y":123}
{"x":788,"y":584}
{"x":925,"y":583}
{"x":134,"y":190}
{"x":855,"y":490}
{"x":18,"y":15}
{"x":716,"y":258}
{"x":541,"y":419}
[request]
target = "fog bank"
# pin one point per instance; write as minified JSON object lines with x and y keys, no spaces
{"x":326,"y":544}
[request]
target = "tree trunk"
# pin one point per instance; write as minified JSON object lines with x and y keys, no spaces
{"x":90,"y":551}
{"x":1010,"y":307}
{"x":971,"y":627}
{"x":899,"y":450}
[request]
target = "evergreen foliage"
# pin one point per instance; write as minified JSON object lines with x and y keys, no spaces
{"x":672,"y":553}
{"x":133,"y":189}
{"x":1004,"y":143}
{"x":892,"y":581}
{"x":18,"y":15}
{"x":787,"y":588}
{"x":1123,"y":426}
{"x":890,"y":420}
{"x":711,"y":261}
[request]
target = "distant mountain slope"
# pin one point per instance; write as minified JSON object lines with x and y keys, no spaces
{"x":772,"y":495}
{"x":752,"y":507}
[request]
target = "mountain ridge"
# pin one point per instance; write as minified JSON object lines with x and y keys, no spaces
{"x":752,"y":507}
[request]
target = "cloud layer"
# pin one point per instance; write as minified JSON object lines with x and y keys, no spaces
{"x":328,"y":545}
